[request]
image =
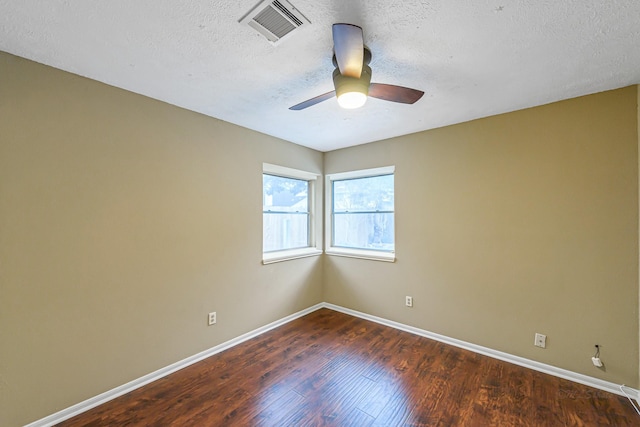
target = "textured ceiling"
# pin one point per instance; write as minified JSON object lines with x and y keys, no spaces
{"x":472,"y":58}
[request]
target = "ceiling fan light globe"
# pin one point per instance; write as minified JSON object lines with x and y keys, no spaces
{"x":352,"y":100}
{"x":352,"y":91}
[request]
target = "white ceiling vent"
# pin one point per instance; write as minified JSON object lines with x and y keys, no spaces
{"x":274,"y":19}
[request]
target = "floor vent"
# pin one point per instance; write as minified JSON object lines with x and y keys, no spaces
{"x":274,"y":19}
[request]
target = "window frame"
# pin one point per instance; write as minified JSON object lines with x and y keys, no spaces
{"x":375,"y":255}
{"x":315,"y":214}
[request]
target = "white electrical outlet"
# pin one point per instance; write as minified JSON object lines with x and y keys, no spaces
{"x":540,"y":341}
{"x":212,"y":318}
{"x":408,"y":301}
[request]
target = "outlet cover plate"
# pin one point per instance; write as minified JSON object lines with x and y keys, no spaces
{"x":212,"y":319}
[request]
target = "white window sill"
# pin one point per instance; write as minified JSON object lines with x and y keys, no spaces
{"x":279,"y":256}
{"x":362,"y":254}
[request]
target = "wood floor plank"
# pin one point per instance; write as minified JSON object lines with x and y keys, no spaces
{"x":331,"y":369}
{"x":378,"y":397}
{"x":355,"y":418}
{"x":279,"y":410}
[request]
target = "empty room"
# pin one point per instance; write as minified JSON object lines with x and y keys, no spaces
{"x":449,"y":229}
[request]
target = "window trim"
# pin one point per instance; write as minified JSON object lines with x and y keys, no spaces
{"x":388,"y":256}
{"x":315,"y":215}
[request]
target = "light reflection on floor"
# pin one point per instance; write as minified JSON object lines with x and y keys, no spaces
{"x":325,"y":388}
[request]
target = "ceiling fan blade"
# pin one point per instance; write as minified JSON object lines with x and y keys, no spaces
{"x":394,"y":93}
{"x":348,"y":46}
{"x":313,"y":101}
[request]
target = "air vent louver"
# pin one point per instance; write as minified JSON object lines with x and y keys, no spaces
{"x":274,"y":19}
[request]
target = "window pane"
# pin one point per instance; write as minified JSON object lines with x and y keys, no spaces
{"x":281,"y":194}
{"x":374,"y":231}
{"x":363,"y":194}
{"x":285,"y":206}
{"x":284,"y":231}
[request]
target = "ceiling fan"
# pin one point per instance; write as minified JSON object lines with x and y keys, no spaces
{"x":352,"y":76}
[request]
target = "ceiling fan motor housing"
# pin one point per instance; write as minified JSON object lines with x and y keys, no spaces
{"x":345,"y":84}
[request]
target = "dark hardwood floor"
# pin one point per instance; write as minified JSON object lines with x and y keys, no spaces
{"x":331,"y":369}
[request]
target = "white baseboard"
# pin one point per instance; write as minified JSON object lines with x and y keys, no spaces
{"x":84,"y":406}
{"x":163,"y":372}
{"x":521,"y":361}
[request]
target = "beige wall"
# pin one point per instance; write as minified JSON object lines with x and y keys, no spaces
{"x":511,"y":225}
{"x":123,"y":222}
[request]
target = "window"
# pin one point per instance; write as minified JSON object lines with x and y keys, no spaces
{"x":289,"y":220}
{"x":360,"y":214}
